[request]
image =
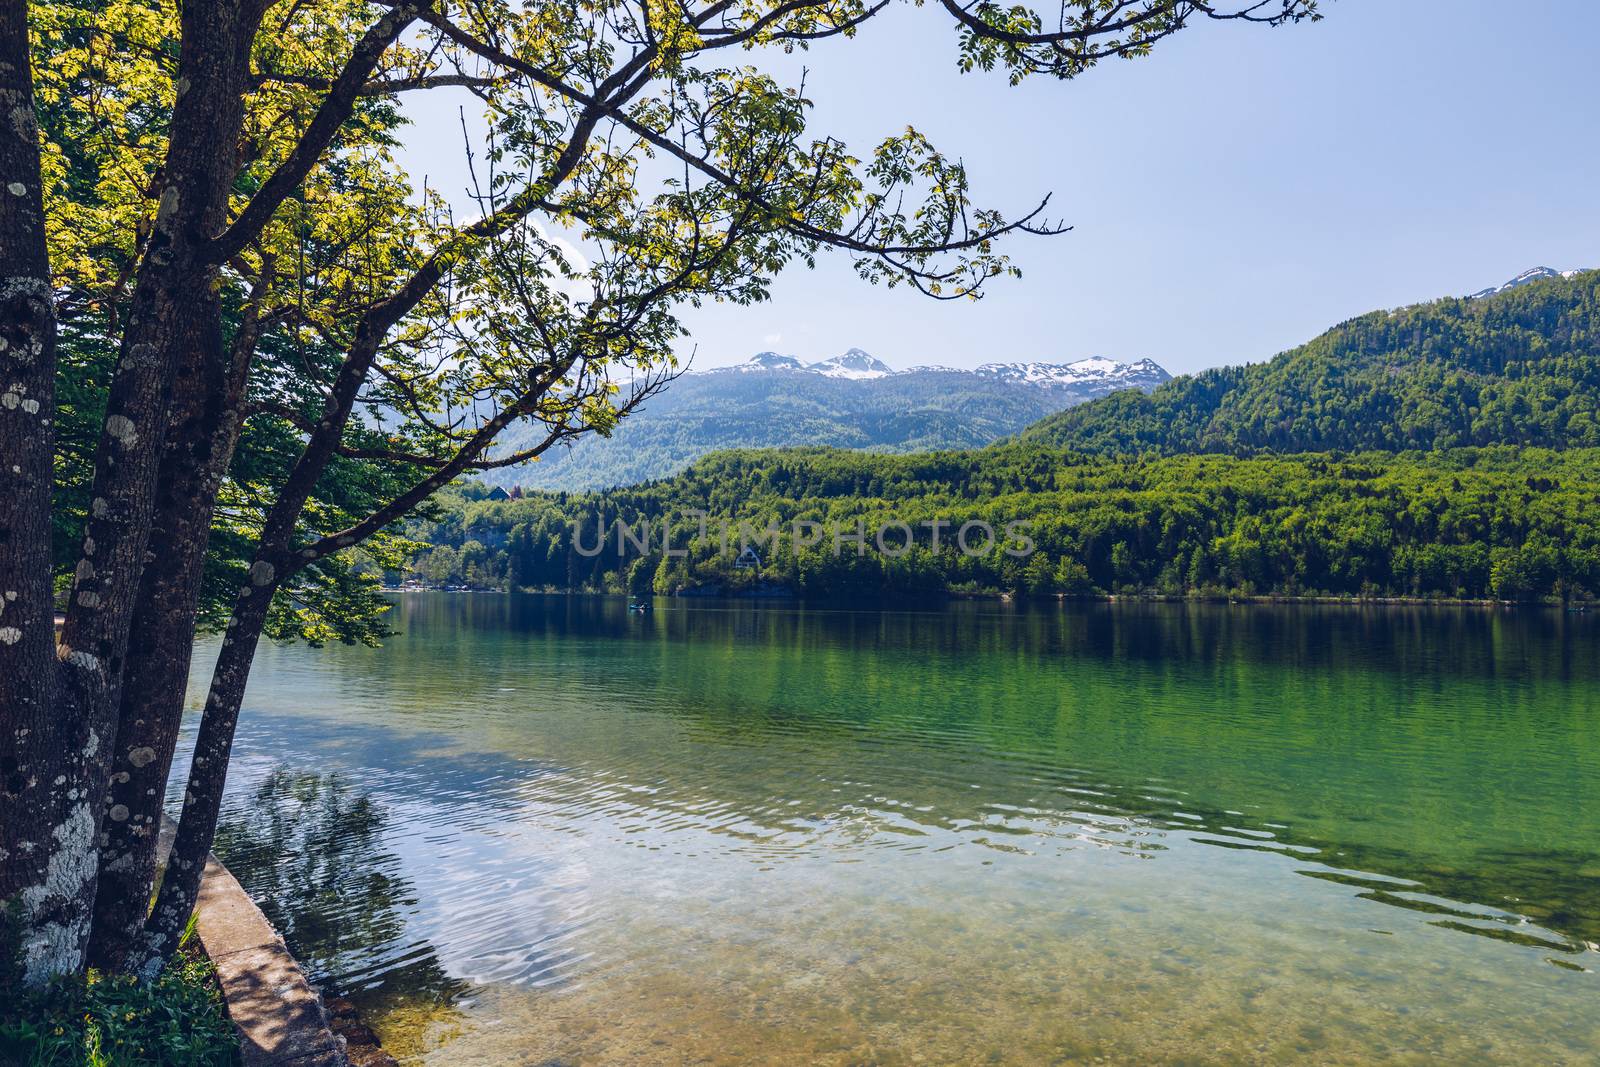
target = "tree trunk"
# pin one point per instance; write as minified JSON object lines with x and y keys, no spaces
{"x":173,"y":287}
{"x":273,"y":564}
{"x":208,"y":771}
{"x":208,"y":768}
{"x":28,"y":729}
{"x":200,"y":444}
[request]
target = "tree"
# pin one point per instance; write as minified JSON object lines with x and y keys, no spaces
{"x":220,"y":207}
{"x":32,"y":813}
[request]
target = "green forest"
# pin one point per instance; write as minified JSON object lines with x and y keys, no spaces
{"x":1449,"y":450}
{"x":1504,"y":523}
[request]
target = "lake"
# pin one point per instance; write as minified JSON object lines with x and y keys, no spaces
{"x":542,"y":830}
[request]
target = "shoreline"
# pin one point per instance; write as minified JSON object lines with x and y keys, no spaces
{"x":280,"y":1018}
{"x":890,"y":601}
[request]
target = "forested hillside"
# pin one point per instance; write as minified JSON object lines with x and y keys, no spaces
{"x":1520,"y":366}
{"x":1506,"y":523}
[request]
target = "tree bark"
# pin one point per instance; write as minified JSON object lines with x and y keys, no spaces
{"x":275,"y":561}
{"x":208,"y":773}
{"x":200,"y":445}
{"x":29,"y":732}
{"x":172,"y":290}
{"x":208,"y":768}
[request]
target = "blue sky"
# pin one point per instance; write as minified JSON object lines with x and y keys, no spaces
{"x":1232,"y":195}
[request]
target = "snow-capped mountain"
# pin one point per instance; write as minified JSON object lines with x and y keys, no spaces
{"x":1535,"y":274}
{"x":767,"y":361}
{"x":853,"y":400}
{"x":853,"y":364}
{"x":1097,"y":372}
{"x":1094,"y":376}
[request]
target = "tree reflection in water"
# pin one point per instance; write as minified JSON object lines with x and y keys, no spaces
{"x":310,"y":849}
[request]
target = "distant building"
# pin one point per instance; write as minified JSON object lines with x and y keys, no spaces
{"x":498,"y":493}
{"x":748,"y":558}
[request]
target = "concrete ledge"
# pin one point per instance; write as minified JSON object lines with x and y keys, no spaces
{"x":277,"y":1013}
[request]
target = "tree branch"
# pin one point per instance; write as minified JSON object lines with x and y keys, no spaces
{"x":382,"y":86}
{"x":616,"y":113}
{"x":307,"y":152}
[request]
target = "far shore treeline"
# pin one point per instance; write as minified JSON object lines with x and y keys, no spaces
{"x":1446,"y":450}
{"x":1502,"y":523}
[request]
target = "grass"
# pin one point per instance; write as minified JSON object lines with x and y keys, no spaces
{"x":104,"y":1021}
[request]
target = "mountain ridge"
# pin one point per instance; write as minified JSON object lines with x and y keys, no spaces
{"x":858,"y":364}
{"x":853,"y":400}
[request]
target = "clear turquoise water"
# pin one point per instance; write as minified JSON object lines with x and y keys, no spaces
{"x":544,"y":831}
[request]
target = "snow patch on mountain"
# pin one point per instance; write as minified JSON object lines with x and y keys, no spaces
{"x":854,"y":364}
{"x":1093,"y":371}
{"x":1533,"y":274}
{"x":766,"y":361}
{"x":1097,"y":374}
